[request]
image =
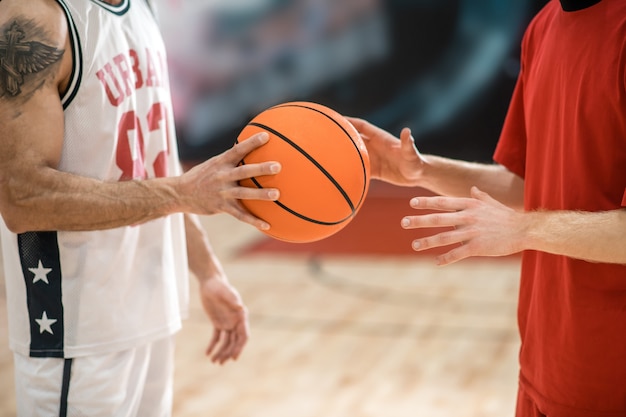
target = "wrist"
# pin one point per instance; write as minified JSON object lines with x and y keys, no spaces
{"x":209,"y":271}
{"x":531,"y":225}
{"x":424,"y":172}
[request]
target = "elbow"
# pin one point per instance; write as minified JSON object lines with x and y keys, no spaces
{"x":13,"y":220}
{"x":15,"y":215}
{"x":20,"y":201}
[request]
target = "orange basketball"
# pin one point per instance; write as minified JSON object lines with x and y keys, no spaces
{"x":325,"y":171}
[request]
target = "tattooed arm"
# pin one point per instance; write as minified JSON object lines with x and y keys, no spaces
{"x":34,"y":195}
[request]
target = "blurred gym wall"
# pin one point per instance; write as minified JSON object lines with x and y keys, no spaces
{"x":445,"y":68}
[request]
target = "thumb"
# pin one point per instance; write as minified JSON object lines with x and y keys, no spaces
{"x":482,"y":196}
{"x":407,"y":143}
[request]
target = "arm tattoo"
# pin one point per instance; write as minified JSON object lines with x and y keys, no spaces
{"x":20,"y":57}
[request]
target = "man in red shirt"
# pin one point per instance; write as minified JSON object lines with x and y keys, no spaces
{"x":557,"y":193}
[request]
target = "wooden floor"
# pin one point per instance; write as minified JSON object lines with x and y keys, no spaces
{"x":347,"y":337}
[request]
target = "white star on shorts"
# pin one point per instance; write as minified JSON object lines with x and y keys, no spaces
{"x":41,"y":273}
{"x":45,"y":323}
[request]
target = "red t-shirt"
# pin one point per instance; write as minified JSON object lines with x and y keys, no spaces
{"x":565,"y":134}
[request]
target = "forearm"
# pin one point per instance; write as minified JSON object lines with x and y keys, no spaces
{"x":595,"y":237}
{"x":203,"y":262}
{"x":455,"y":178}
{"x":47,"y":199}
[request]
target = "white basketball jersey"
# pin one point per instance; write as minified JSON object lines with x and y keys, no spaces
{"x":78,"y":293}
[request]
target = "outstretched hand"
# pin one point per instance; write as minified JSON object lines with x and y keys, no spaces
{"x":229,"y":317}
{"x":213,"y":186}
{"x":482,"y":226}
{"x":392,"y":160}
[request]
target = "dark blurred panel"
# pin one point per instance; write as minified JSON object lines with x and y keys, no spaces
{"x":445,"y":68}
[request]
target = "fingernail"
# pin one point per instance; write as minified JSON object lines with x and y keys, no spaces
{"x":416,"y":245}
{"x":405,"y":222}
{"x":265,"y":226}
{"x":275,"y":168}
{"x":273,"y":194}
{"x":264,"y":135}
{"x":415,"y":202}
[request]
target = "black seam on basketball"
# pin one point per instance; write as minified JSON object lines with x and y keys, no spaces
{"x":295,"y":213}
{"x":310,"y":158}
{"x":303,"y":217}
{"x":302,"y":106}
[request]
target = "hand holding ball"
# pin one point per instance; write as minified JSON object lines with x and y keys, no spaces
{"x":325,"y":171}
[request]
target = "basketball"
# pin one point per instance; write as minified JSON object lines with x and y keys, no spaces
{"x":325,"y":171}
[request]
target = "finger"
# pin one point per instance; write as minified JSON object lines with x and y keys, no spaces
{"x":407,"y":143}
{"x":224,"y":352}
{"x":453,"y":237}
{"x":243,"y":148}
{"x":218,"y":347}
{"x":254,"y":170}
{"x":249,"y":193}
{"x":229,"y":354}
{"x":214,"y":341}
{"x":441,"y":203}
{"x":442,"y":219}
{"x":243,"y":215}
{"x":229,"y":350}
{"x":241,"y":338}
{"x":483,"y":196}
{"x":406,"y":136}
{"x":454,"y":255}
{"x":358,"y":123}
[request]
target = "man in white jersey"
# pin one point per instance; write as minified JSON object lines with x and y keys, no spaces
{"x":99,"y":228}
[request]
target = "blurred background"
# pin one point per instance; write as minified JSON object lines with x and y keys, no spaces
{"x":445,"y":68}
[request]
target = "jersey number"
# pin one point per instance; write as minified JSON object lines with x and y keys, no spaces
{"x":130,"y":154}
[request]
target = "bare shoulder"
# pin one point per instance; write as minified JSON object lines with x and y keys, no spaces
{"x":33,"y":45}
{"x":35,"y":64}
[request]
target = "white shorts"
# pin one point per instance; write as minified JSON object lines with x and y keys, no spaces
{"x":132,"y":383}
